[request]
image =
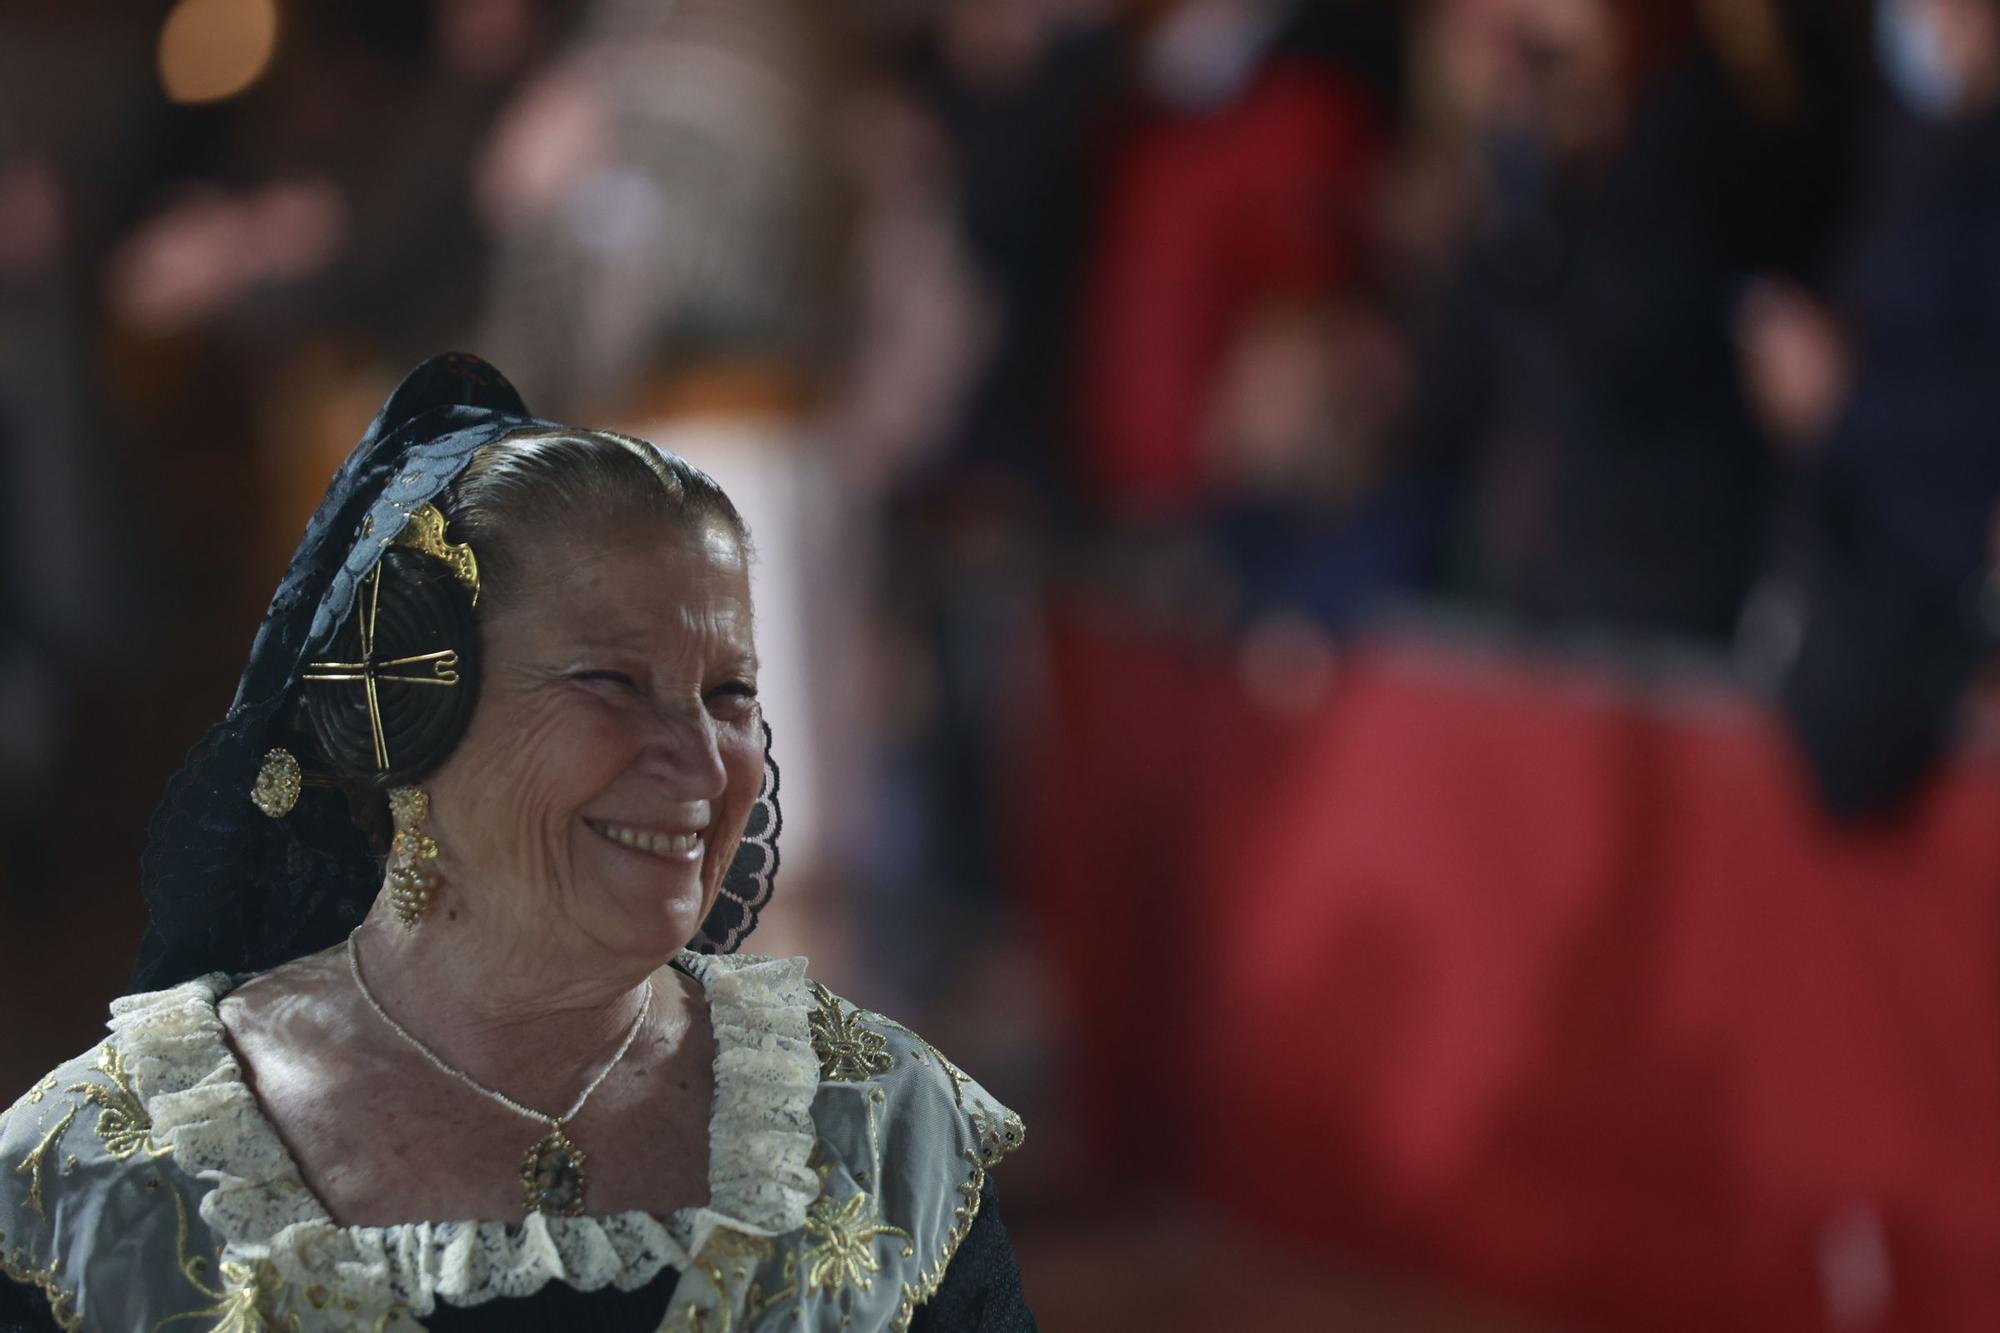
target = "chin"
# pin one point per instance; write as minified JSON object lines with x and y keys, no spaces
{"x":650,"y":920}
{"x":666,"y":926}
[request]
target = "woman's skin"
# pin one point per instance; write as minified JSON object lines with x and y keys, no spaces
{"x":618,"y":693}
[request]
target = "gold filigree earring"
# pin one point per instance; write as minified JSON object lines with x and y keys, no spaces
{"x":413,"y":875}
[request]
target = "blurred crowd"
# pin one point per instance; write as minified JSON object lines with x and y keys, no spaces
{"x":1237,"y":323}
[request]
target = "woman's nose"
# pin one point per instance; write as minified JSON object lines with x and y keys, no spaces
{"x":684,"y":748}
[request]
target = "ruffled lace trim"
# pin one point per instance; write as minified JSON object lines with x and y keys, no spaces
{"x":760,"y":1139}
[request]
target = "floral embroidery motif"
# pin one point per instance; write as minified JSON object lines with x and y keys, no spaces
{"x":42,"y":1089}
{"x":125,"y":1127}
{"x":840,"y":1243}
{"x":242,"y":1303}
{"x":15,"y":1267}
{"x":31,"y":1166}
{"x":835,"y":1254}
{"x":848,"y":1050}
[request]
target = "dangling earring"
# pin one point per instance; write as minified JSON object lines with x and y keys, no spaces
{"x":412,"y":876}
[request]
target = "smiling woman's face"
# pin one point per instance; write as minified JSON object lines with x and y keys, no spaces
{"x":617,"y":748}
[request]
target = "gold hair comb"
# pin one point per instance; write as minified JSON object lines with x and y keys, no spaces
{"x":425,"y":532}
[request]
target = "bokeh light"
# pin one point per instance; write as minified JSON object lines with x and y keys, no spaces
{"x":211,"y":50}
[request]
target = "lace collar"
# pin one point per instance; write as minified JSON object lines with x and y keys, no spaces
{"x":760,"y":1137}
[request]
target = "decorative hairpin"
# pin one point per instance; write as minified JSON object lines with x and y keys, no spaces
{"x":425,"y":532}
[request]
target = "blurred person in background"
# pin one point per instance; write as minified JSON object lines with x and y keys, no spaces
{"x":57,"y":598}
{"x":1241,"y":371}
{"x":318,"y":228}
{"x":1579,"y":377}
{"x":1237,"y":381}
{"x":997,"y":112}
{"x":1874,"y":616}
{"x":1240,"y":183}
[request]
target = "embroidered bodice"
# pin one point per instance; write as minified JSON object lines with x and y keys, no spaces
{"x":141,"y":1185}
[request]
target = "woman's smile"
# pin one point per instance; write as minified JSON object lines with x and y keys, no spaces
{"x":657,"y":843}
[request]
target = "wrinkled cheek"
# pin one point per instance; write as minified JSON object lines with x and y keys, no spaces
{"x":538,"y":836}
{"x":511,"y":832}
{"x":745,"y":764}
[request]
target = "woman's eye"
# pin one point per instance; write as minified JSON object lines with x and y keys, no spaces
{"x":607,"y":677}
{"x":733,"y":693}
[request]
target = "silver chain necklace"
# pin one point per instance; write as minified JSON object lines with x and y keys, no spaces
{"x":553,"y":1178}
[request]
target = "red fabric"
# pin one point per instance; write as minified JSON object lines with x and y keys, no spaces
{"x":1132,"y":743}
{"x":1555,"y":986}
{"x":1206,"y":217}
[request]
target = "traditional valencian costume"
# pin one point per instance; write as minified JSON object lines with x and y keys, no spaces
{"x":142,"y":1187}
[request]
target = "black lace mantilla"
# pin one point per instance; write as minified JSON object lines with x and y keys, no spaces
{"x":232,"y":890}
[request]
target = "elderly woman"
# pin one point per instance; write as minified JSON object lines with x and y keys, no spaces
{"x":443,"y":1024}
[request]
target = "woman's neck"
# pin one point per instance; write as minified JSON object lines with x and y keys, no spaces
{"x":510,"y":1012}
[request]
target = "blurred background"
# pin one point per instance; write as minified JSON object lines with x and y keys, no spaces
{"x":1378,"y":614}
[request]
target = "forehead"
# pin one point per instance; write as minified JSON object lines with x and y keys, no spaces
{"x":634,"y":583}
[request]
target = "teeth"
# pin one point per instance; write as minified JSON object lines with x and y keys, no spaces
{"x":645,"y":840}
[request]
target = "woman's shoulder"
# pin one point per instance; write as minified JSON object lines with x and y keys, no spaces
{"x":36,"y":1191}
{"x":867,"y":1057}
{"x":896,"y":1150}
{"x":867,"y":1049}
{"x":87,"y":1163}
{"x":159,"y":1040}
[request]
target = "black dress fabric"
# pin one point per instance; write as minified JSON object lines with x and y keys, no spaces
{"x":24,"y":1310}
{"x":557,"y":1308}
{"x":982,"y":1290}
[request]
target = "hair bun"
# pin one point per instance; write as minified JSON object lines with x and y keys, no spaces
{"x":425,"y":662}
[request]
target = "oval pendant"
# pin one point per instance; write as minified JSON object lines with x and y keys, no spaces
{"x":553,"y":1178}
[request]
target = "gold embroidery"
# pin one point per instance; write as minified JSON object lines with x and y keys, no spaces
{"x":840,"y":1243}
{"x":62,"y":1303}
{"x":848,"y":1050}
{"x":838,"y":1253}
{"x":251,"y":1294}
{"x":42,"y":1089}
{"x":724,"y":1248}
{"x":951,"y":1071}
{"x":125,"y":1127}
{"x":242,"y":1302}
{"x":31,"y":1166}
{"x":930,"y":1279}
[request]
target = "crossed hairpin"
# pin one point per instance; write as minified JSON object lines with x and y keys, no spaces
{"x":443,"y":667}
